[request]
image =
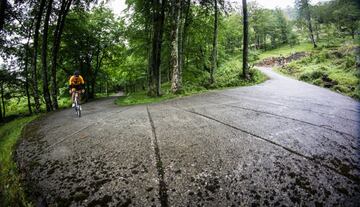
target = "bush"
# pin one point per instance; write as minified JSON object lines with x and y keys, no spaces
{"x":313,"y":75}
{"x":305,"y":77}
{"x":322,"y":57}
{"x":317,"y":74}
{"x":318,"y":82}
{"x":290,"y":68}
{"x":342,"y":89}
{"x":356,"y":93}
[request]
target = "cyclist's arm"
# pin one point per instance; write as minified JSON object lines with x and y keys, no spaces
{"x":70,"y":82}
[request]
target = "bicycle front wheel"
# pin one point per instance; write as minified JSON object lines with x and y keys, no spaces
{"x":78,"y":111}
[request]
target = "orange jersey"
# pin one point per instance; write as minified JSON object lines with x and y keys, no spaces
{"x":75,"y":81}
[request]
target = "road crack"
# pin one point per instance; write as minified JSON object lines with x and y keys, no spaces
{"x":309,"y":158}
{"x":298,"y":120}
{"x":163,"y":196}
{"x":72,"y":134}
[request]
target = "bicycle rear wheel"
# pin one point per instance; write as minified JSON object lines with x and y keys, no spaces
{"x":78,"y":111}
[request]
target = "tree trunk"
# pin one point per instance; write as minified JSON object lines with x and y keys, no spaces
{"x":106,"y":88}
{"x":1,"y":114}
{"x":44,"y":58}
{"x":353,"y":33}
{"x":3,"y":5}
{"x":34,"y":63}
{"x":3,"y":101}
{"x":65,"y":6}
{"x":214,"y":50}
{"x":309,"y":24}
{"x":155,"y":60}
{"x":245,"y":42}
{"x":26,"y":73}
{"x":176,"y":78}
{"x":183,"y":38}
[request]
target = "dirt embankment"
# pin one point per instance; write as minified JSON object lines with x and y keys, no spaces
{"x":282,"y":60}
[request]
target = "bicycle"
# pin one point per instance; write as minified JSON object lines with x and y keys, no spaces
{"x":77,"y":106}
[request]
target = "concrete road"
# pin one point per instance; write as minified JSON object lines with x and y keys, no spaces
{"x":280,"y":143}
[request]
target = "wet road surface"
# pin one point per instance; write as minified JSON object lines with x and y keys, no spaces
{"x":280,"y":143}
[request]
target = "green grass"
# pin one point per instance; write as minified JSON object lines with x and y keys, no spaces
{"x":227,"y":78}
{"x":332,"y":68}
{"x":19,"y":107}
{"x":11,"y":190}
{"x":141,"y":98}
{"x":286,"y":50}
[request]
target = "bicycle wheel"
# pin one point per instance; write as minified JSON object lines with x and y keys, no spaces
{"x":79,"y":111}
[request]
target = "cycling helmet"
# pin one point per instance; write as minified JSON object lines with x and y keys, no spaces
{"x":76,"y":73}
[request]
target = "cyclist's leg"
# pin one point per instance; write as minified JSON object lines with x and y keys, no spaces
{"x":78,"y":89}
{"x":72,"y":96}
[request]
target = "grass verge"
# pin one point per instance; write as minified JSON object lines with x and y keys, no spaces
{"x":333,"y":68}
{"x":227,"y":79}
{"x":11,"y":189}
{"x":286,"y":50}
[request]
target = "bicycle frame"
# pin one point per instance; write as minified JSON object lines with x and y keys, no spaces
{"x":77,"y":104}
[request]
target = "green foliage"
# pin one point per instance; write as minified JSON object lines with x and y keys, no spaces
{"x":333,"y":68}
{"x":228,"y":75}
{"x":313,"y":75}
{"x":10,"y":181}
{"x":286,"y":50}
{"x":230,"y":34}
{"x":141,"y":97}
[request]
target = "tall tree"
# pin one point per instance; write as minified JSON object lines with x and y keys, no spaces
{"x":3,"y":6}
{"x":155,"y":56}
{"x":35,"y":54}
{"x":245,"y":41}
{"x":184,"y":26}
{"x":175,"y":61}
{"x":64,"y":9}
{"x":44,"y":58}
{"x":303,"y":8}
{"x":26,"y":65}
{"x":215,"y":40}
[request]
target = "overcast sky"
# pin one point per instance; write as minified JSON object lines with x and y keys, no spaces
{"x":118,"y":5}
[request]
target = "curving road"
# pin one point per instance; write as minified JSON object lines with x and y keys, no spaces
{"x":283,"y":142}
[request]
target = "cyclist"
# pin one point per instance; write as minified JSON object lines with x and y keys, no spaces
{"x":76,"y":83}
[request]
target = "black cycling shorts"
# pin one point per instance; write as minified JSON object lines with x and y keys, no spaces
{"x":77,"y":87}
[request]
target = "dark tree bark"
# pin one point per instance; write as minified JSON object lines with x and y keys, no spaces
{"x":26,"y":73}
{"x":175,"y":62}
{"x":3,"y":101}
{"x":1,"y":114}
{"x":155,"y":60}
{"x":214,"y":50}
{"x":65,"y":6}
{"x":44,"y":58}
{"x":245,"y":41}
{"x":352,"y":31}
{"x":183,"y":37}
{"x":99,"y":59}
{"x":34,"y":63}
{"x":3,"y":5}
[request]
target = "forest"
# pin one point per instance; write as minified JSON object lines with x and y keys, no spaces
{"x":158,"y":48}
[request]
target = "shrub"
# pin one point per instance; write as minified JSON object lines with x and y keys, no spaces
{"x":290,"y":68}
{"x":318,"y":82}
{"x":313,"y":75}
{"x":356,"y":93}
{"x":342,"y":89}
{"x":317,"y":74}
{"x":305,"y":76}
